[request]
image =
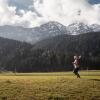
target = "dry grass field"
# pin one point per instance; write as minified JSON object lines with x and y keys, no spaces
{"x":50,"y":86}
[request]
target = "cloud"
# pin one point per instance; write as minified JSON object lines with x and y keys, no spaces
{"x":6,"y":13}
{"x":9,"y":16}
{"x":42,"y":11}
{"x":68,"y":11}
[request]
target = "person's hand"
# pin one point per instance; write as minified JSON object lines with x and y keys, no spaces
{"x":80,"y":57}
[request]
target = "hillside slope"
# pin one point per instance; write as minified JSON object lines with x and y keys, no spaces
{"x":51,"y":54}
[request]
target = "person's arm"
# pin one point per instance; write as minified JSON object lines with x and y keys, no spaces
{"x":75,"y":62}
{"x":79,"y":57}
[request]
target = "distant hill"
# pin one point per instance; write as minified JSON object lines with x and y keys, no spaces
{"x":82,"y":44}
{"x":51,"y":54}
{"x":87,"y":45}
{"x":9,"y":49}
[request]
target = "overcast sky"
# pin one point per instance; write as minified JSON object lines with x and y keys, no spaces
{"x":31,"y":13}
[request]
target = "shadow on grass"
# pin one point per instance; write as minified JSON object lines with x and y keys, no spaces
{"x":3,"y":98}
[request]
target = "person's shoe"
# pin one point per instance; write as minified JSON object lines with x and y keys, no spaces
{"x":78,"y":76}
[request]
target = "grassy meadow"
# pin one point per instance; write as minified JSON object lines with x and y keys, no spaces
{"x":50,"y":86}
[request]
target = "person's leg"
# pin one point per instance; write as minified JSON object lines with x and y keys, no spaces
{"x":78,"y":76}
{"x":75,"y":71}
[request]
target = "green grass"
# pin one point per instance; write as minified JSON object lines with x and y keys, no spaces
{"x":50,"y":86}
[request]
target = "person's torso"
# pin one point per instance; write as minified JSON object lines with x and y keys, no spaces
{"x":76,"y":63}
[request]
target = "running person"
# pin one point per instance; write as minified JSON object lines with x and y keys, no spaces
{"x":76,"y":65}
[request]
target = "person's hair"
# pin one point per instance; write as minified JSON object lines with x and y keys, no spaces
{"x":75,"y":57}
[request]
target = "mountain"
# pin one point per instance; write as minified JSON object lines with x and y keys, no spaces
{"x":50,"y":29}
{"x":87,"y":45}
{"x":82,"y":44}
{"x":95,"y":27}
{"x":79,"y":28}
{"x":32,"y":35}
{"x":9,"y":49}
{"x":16,"y":33}
{"x":51,"y":54}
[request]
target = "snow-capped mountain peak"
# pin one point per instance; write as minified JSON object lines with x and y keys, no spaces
{"x":95,"y":27}
{"x":78,"y":28}
{"x":53,"y":28}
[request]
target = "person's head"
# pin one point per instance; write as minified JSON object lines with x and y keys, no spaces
{"x":75,"y":57}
